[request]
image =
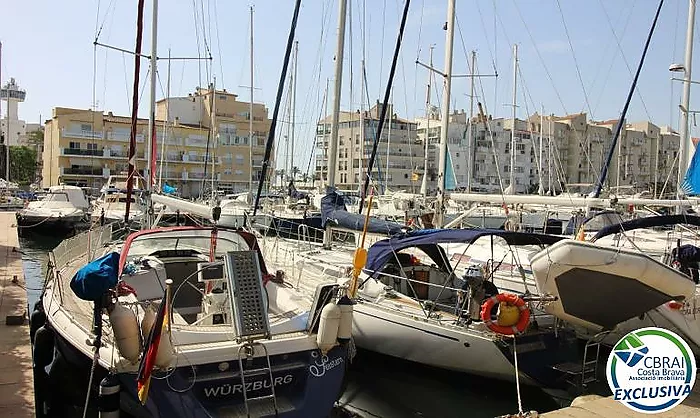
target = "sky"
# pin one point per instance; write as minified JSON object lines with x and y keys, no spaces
{"x":573,"y":55}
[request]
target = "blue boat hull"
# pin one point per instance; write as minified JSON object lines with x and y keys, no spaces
{"x":306,"y":385}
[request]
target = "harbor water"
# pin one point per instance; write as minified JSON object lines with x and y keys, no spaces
{"x":377,"y":385}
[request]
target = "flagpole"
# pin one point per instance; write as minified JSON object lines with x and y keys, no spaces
{"x":168,"y":301}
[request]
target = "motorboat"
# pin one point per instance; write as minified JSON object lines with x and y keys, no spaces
{"x":62,"y":208}
{"x":111,"y":205}
{"x":239,"y":341}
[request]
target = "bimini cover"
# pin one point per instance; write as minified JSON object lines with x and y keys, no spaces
{"x":96,"y":277}
{"x":599,"y":287}
{"x":428,"y":240}
{"x":333,"y":209}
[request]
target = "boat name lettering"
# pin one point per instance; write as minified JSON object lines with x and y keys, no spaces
{"x":323,"y":364}
{"x":228,"y":389}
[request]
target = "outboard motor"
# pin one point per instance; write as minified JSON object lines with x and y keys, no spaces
{"x":473,"y":289}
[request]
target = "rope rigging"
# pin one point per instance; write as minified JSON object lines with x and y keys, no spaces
{"x":573,"y":55}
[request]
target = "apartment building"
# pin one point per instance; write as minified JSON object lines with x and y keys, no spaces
{"x":398,"y":153}
{"x":552,"y":151}
{"x":84,"y":147}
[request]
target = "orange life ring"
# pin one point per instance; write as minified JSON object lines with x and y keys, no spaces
{"x":510,"y":299}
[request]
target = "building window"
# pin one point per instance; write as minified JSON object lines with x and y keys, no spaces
{"x":74,"y":145}
{"x":92,"y":146}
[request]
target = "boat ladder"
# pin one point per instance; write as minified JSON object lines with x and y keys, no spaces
{"x":581,"y":375}
{"x":249,"y":303}
{"x":247,"y":350}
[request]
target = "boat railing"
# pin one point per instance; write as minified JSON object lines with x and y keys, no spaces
{"x":81,"y":244}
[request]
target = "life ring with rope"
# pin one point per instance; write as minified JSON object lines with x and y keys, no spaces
{"x":512,"y":300}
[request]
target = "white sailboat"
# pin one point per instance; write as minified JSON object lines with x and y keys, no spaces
{"x":226,"y":337}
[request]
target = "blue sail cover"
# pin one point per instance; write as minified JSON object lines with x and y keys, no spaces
{"x":428,"y":239}
{"x":96,"y":277}
{"x":333,"y":210}
{"x":647,"y":222}
{"x":691,"y":184}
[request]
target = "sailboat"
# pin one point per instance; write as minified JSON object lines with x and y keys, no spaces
{"x":411,"y":304}
{"x":234,"y":339}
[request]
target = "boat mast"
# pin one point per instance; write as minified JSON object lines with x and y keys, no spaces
{"x":549,"y":154}
{"x":470,"y":146}
{"x":294,"y":106}
{"x":7,"y":126}
{"x":337,"y":90}
{"x":285,"y":178}
{"x":388,"y":151}
{"x":324,"y":149}
{"x":511,"y":187}
{"x":540,"y":189}
{"x":165,"y":127}
{"x":215,"y":139}
{"x":250,"y":110}
{"x":362,"y":118}
{"x":269,"y":144}
{"x":686,"y":143}
{"x":444,"y":123}
{"x":424,"y":183}
{"x":134,"y":110}
{"x":149,"y":170}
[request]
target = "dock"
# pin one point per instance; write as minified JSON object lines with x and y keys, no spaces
{"x":608,"y":407}
{"x":16,"y":378}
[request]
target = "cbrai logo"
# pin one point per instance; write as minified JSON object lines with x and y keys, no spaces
{"x":651,"y":370}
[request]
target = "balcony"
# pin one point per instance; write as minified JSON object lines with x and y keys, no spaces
{"x":123,"y":137}
{"x":124,"y":154}
{"x":81,"y":134}
{"x":82,"y":171}
{"x":79,"y":151}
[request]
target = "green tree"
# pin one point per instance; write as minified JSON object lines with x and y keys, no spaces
{"x":22,"y":164}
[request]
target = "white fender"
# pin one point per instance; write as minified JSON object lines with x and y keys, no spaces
{"x":328,"y":327}
{"x":126,"y":332}
{"x":165,"y":354}
{"x":345,"y":325}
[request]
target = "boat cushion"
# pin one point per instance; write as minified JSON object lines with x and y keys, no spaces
{"x":96,"y":277}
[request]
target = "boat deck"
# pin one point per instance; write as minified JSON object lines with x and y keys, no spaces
{"x":16,"y":379}
{"x":607,"y":407}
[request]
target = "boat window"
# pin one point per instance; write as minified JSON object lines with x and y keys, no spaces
{"x":199,"y":241}
{"x":56,"y":197}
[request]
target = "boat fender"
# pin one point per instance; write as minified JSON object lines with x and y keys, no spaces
{"x":506,"y":328}
{"x":36,"y":321}
{"x":108,"y":400}
{"x":328,"y":327}
{"x":345,"y":325}
{"x":43,"y":347}
{"x":165,"y":354}
{"x":126,"y":331}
